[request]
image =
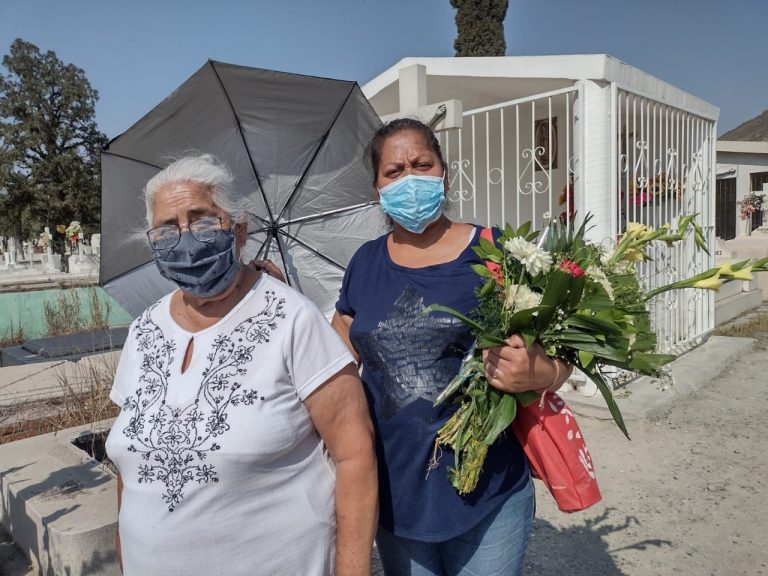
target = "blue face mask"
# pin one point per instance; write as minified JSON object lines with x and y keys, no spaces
{"x":203,"y":269}
{"x":414,"y":201}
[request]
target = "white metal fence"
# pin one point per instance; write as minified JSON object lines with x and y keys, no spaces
{"x":664,"y":168}
{"x":511,"y":162}
{"x":524,"y":160}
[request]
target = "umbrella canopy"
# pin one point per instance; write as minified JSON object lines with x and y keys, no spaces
{"x":295,"y":145}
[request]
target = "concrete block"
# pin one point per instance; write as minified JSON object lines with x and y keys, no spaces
{"x":729,"y":290}
{"x":736,"y":305}
{"x":59,"y":504}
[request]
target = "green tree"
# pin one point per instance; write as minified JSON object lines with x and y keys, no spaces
{"x":480,"y":26}
{"x":49,"y":144}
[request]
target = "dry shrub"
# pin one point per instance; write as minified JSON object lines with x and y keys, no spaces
{"x":99,"y":311}
{"x":85,"y":387}
{"x":13,"y":336}
{"x":62,"y":316}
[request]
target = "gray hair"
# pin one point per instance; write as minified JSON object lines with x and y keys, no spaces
{"x":208,"y":171}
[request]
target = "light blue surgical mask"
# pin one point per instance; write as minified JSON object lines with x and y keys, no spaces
{"x":414,"y":201}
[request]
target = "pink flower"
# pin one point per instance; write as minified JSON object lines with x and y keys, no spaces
{"x":572,"y":268}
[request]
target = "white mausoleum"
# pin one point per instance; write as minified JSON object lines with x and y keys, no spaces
{"x":539,"y":137}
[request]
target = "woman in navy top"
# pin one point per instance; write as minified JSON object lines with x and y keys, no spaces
{"x":425,"y":526}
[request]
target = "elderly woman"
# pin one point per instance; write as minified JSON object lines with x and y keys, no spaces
{"x":426,"y":527}
{"x":244,"y":444}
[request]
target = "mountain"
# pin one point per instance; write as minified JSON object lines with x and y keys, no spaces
{"x":755,"y":130}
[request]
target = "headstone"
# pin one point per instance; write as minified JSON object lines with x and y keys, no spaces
{"x":96,"y":243}
{"x":11,"y":251}
{"x":50,"y":264}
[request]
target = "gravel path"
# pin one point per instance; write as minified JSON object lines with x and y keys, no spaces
{"x":686,"y":496}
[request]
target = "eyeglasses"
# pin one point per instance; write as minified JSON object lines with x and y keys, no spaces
{"x":167,"y":236}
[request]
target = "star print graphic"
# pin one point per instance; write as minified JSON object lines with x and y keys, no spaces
{"x":414,"y":353}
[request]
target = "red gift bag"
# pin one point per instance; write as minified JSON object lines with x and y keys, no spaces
{"x":557,"y":452}
{"x":553,"y":443}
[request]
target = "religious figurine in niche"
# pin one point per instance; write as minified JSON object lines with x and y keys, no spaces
{"x":545,"y":149}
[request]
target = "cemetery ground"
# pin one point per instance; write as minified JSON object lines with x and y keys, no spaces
{"x":685,"y":496}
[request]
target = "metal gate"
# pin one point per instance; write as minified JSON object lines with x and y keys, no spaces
{"x":514,"y":161}
{"x":524,"y":160}
{"x":665,"y":169}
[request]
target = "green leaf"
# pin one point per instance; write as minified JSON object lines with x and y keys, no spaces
{"x":440,"y":308}
{"x":586,"y":358}
{"x":482,"y":270}
{"x":524,"y":229}
{"x":521,"y":320}
{"x":603,"y":351}
{"x":463,"y":433}
{"x":528,"y":337}
{"x":645,"y":363}
{"x":577,"y":289}
{"x":489,"y":247}
{"x":608,"y":396}
{"x":594,"y":323}
{"x":487,"y":287}
{"x":489,"y":341}
{"x":555,"y":294}
{"x":528,"y":397}
{"x":501,"y":417}
{"x":595,"y":301}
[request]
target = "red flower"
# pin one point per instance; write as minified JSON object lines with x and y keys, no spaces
{"x":572,"y":268}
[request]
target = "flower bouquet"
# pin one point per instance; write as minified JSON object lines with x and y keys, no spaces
{"x":582,"y":302}
{"x":750,"y":204}
{"x":73,"y":231}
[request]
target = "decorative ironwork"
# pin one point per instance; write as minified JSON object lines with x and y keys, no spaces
{"x":458,"y":193}
{"x":664,"y":157}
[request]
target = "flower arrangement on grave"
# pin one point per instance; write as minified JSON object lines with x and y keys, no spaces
{"x":642,"y":191}
{"x":750,"y":204}
{"x":637,"y":195}
{"x":73,"y":231}
{"x":583,"y":303}
{"x":43,"y":240}
{"x":662,"y":186}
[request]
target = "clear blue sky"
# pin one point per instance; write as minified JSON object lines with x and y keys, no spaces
{"x":135,"y":52}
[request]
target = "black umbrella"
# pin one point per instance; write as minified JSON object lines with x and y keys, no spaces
{"x":295,"y":145}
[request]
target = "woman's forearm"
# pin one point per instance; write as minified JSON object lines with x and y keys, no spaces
{"x":356,"y":514}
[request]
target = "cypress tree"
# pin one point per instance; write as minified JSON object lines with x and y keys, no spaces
{"x":480,"y":26}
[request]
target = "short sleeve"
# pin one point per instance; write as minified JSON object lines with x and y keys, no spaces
{"x":125,"y":367}
{"x":344,"y":304}
{"x":315,"y":352}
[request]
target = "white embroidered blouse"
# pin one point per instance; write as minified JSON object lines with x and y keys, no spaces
{"x":222,"y":469}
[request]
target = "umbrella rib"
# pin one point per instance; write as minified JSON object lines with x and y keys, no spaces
{"x":131,"y":159}
{"x":245,"y":145}
{"x":315,"y":251}
{"x":312,"y":217}
{"x":303,"y":176}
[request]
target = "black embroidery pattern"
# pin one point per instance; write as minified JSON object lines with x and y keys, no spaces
{"x":414,"y":354}
{"x":175,"y":441}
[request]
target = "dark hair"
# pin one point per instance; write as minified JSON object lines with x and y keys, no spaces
{"x":394,"y":127}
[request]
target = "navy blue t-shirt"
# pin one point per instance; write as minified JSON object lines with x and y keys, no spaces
{"x":408,"y":358}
